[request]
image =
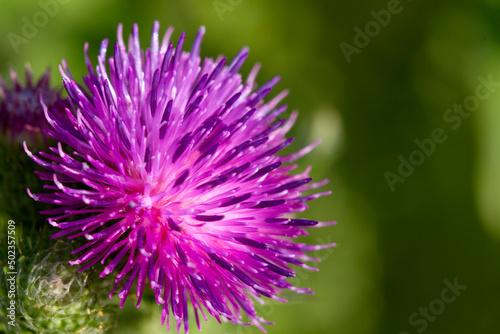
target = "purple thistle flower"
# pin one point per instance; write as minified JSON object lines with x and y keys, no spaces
{"x":181,"y":182}
{"x":21,"y":113}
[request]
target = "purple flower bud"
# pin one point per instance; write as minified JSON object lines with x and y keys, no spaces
{"x":21,"y":112}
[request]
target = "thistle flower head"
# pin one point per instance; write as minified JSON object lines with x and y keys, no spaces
{"x":22,"y":118}
{"x":181,"y":184}
{"x":21,"y":113}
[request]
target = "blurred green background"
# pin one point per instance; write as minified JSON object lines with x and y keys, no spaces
{"x":400,"y":244}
